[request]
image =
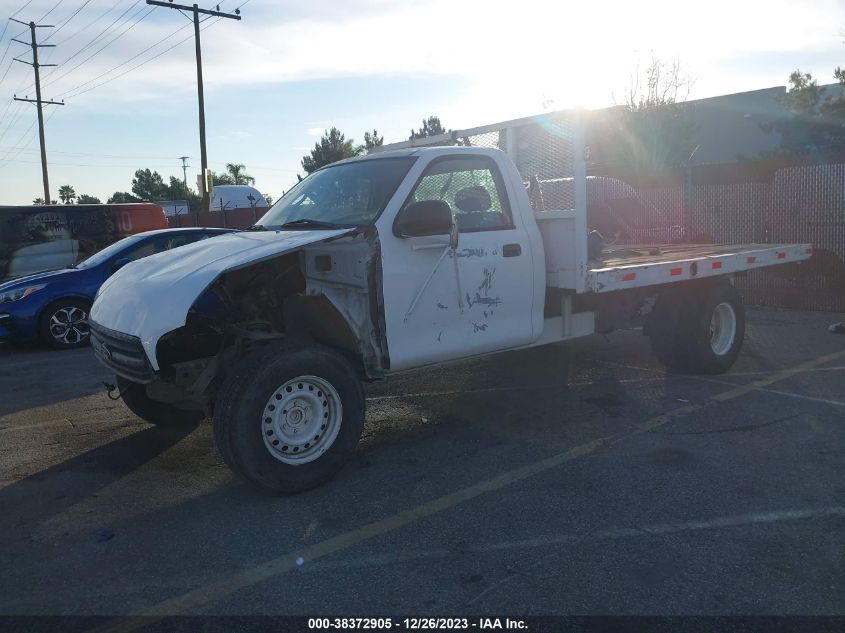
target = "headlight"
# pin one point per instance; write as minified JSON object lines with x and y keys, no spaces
{"x":19,"y":293}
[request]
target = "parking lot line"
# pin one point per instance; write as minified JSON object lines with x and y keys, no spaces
{"x":743,"y":520}
{"x":455,"y":392}
{"x":662,"y":372}
{"x":774,"y":391}
{"x":639,"y":531}
{"x":224,"y":587}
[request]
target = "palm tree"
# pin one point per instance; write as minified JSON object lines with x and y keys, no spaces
{"x":67,"y":193}
{"x":237,"y":172}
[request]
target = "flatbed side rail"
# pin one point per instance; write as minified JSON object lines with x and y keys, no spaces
{"x":638,"y":275}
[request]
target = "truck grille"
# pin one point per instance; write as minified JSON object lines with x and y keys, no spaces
{"x":121,"y":353}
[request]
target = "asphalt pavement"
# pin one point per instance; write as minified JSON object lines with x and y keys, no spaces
{"x":576,"y":479}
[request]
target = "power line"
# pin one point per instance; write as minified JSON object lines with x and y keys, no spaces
{"x":143,"y":63}
{"x":69,"y":155}
{"x":99,"y":35}
{"x":9,"y":43}
{"x":92,"y":22}
{"x":13,"y":118}
{"x":104,"y":47}
{"x":21,"y":9}
{"x":65,"y":23}
{"x":55,"y":6}
{"x":28,"y":143}
{"x":110,"y":70}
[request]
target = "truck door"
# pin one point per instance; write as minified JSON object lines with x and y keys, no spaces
{"x":442,"y":304}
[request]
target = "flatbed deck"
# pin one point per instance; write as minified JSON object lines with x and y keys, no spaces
{"x":631,"y":266}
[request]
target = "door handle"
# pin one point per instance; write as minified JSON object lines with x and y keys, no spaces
{"x":511,"y":250}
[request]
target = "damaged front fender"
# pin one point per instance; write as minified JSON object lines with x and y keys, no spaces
{"x":152,"y":296}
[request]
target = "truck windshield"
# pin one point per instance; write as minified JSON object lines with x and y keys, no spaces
{"x":349,"y":194}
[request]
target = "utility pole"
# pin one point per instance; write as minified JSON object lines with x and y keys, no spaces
{"x":38,"y":101}
{"x":185,"y":166}
{"x":197,"y":11}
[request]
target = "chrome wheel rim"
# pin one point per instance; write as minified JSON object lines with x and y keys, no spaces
{"x":301,"y":420}
{"x":722,"y":329}
{"x":69,"y":325}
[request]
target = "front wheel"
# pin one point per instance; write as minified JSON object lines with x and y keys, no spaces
{"x":288,"y":417}
{"x":64,"y":323}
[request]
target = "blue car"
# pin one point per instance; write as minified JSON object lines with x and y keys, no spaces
{"x":53,"y":306}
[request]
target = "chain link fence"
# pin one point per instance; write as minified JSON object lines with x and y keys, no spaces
{"x":798,"y":204}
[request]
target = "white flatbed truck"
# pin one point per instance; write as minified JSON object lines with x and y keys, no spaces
{"x":401,"y":259}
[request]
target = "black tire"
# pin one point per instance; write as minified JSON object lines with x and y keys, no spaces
{"x":135,"y":398}
{"x":64,"y":323}
{"x":665,"y":332}
{"x":680,"y":328}
{"x":240,"y":409}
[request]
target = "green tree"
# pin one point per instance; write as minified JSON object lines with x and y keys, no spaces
{"x":38,"y":201}
{"x":237,"y":172}
{"x":371,"y":141}
{"x":332,"y":147}
{"x":149,"y":185}
{"x":221,"y":179}
{"x":177,"y":190}
{"x":815,"y":122}
{"x":269,"y":200}
{"x":119,"y":197}
{"x":84,"y":198}
{"x":652,"y":129}
{"x":67,"y":194}
{"x":430,"y":127}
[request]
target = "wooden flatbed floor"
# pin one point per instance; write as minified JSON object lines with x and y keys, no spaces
{"x":638,"y":254}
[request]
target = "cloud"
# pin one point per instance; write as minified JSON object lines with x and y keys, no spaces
{"x":540,"y":46}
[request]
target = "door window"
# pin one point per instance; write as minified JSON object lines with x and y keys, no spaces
{"x":472,"y":187}
{"x":160,"y":244}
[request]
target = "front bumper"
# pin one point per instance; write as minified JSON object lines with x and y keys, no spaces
{"x":121,"y":353}
{"x":15,"y":328}
{"x":5,"y":327}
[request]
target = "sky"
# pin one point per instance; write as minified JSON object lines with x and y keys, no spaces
{"x":288,"y":70}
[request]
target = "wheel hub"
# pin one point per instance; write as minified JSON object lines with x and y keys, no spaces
{"x":301,"y":419}
{"x":722,"y":329}
{"x":69,"y":325}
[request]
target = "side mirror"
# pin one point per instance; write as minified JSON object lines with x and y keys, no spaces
{"x":426,"y":217}
{"x":118,"y":264}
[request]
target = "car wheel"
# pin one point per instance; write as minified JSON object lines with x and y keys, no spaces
{"x":288,"y":417}
{"x":64,"y":323}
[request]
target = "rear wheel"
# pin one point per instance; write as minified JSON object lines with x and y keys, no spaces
{"x":288,"y":417}
{"x":134,"y":396}
{"x":699,"y":330}
{"x":64,"y":323}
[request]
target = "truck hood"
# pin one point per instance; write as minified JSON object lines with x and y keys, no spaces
{"x":150,"y":297}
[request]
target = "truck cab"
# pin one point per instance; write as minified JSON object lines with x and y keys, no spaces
{"x":393,"y":261}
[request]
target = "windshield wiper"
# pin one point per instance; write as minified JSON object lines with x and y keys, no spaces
{"x":317,"y":224}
